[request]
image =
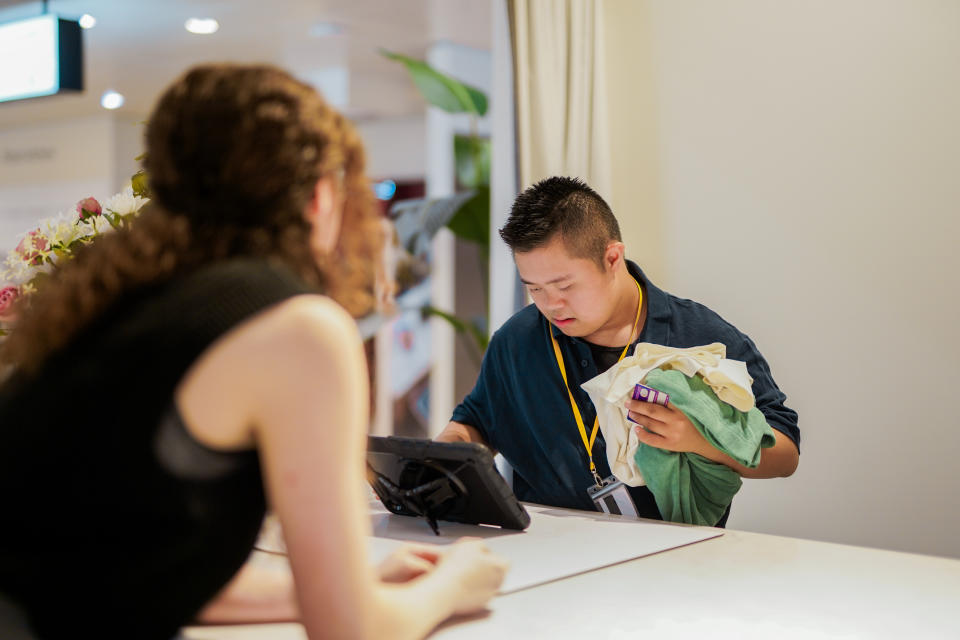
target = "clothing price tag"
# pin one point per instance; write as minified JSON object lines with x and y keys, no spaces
{"x":648,"y":394}
{"x":644,"y":393}
{"x":613,"y":497}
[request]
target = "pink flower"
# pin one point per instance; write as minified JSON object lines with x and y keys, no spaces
{"x":8,"y":296}
{"x":88,"y":208}
{"x":30,"y":247}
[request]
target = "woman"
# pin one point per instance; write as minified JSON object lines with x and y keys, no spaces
{"x":179,"y":374}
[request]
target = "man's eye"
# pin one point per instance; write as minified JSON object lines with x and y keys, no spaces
{"x":534,"y":289}
{"x":564,"y":288}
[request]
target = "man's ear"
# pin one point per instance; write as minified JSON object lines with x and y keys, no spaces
{"x":613,"y":256}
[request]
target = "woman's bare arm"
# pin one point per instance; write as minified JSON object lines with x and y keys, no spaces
{"x":296,"y":379}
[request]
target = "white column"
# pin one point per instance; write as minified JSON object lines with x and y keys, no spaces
{"x":472,"y":66}
{"x":503,"y":170}
{"x":503,"y":182}
{"x":440,"y":182}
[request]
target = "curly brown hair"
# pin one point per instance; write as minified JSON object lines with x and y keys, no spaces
{"x":233,"y":154}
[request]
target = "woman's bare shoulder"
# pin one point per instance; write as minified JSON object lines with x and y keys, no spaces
{"x":299,"y":326}
{"x":303,"y":318}
{"x":304,"y":337}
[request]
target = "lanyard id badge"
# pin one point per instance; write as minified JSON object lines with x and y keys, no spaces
{"x":613,"y":497}
{"x":609,"y":487}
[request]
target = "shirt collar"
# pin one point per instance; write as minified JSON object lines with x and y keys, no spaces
{"x":658,"y":307}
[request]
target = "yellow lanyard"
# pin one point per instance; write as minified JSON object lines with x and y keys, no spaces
{"x":588,"y":442}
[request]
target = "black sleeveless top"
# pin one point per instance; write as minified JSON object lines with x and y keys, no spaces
{"x":115,"y":521}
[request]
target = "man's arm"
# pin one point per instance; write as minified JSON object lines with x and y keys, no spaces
{"x":669,"y":428}
{"x":778,"y":461}
{"x":459,"y":432}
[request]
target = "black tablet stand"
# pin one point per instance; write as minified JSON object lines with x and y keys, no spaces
{"x":424,"y":488}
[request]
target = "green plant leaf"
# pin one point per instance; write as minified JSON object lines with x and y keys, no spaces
{"x":480,"y":335}
{"x":139,"y":183}
{"x":471,"y":156}
{"x":472,"y":220}
{"x":479,"y":99}
{"x":441,"y":90}
{"x":37,"y":280}
{"x":460,"y":326}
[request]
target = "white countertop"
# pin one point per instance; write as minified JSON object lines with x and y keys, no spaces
{"x":739,"y":585}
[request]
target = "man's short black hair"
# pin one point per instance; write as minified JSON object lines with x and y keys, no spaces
{"x":566,"y":206}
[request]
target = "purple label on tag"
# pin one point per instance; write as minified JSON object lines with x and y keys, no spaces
{"x":646,"y":394}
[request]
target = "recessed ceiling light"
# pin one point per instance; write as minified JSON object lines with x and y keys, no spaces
{"x":111,"y":100}
{"x":203,"y":26}
{"x":87,"y":21}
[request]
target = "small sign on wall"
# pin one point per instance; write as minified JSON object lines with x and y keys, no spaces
{"x":26,"y":155}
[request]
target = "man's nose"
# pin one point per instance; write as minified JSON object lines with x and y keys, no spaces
{"x":555,"y":300}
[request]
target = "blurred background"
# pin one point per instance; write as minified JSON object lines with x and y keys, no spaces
{"x":795,"y":166}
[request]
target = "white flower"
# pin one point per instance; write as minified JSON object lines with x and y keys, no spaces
{"x":19,"y":271}
{"x":125,"y":202}
{"x":98,"y":226}
{"x":63,"y":230}
{"x":56,"y":235}
{"x":16,"y":272}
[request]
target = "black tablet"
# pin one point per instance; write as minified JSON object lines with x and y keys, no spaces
{"x":453,"y":481}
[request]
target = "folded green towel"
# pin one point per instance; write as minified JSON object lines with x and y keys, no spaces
{"x":688,"y":487}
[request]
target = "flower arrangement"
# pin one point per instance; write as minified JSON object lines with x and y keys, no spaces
{"x":54,"y":239}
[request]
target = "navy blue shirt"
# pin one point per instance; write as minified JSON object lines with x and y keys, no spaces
{"x":520,"y":407}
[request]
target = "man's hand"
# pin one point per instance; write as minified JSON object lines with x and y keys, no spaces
{"x":670,"y":429}
{"x":459,"y":432}
{"x":666,"y":428}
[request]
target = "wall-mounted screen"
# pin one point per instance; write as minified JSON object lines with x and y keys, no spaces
{"x":41,"y":56}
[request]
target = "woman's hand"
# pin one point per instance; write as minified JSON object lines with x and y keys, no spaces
{"x":408,"y":562}
{"x":470,"y":572}
{"x":474,"y":574}
{"x":666,"y":428}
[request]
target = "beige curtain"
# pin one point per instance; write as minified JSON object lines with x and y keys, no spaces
{"x":560,"y":91}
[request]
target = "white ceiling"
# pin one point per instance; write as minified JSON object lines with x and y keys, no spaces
{"x":138,"y":46}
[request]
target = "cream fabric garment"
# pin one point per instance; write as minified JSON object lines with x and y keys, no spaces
{"x":609,"y":391}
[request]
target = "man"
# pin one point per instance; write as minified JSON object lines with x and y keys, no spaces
{"x":569,"y":254}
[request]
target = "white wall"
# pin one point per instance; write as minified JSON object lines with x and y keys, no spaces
{"x":395,"y":147}
{"x":128,"y":145}
{"x":809,"y":177}
{"x":634,"y":137}
{"x":47,"y":168}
